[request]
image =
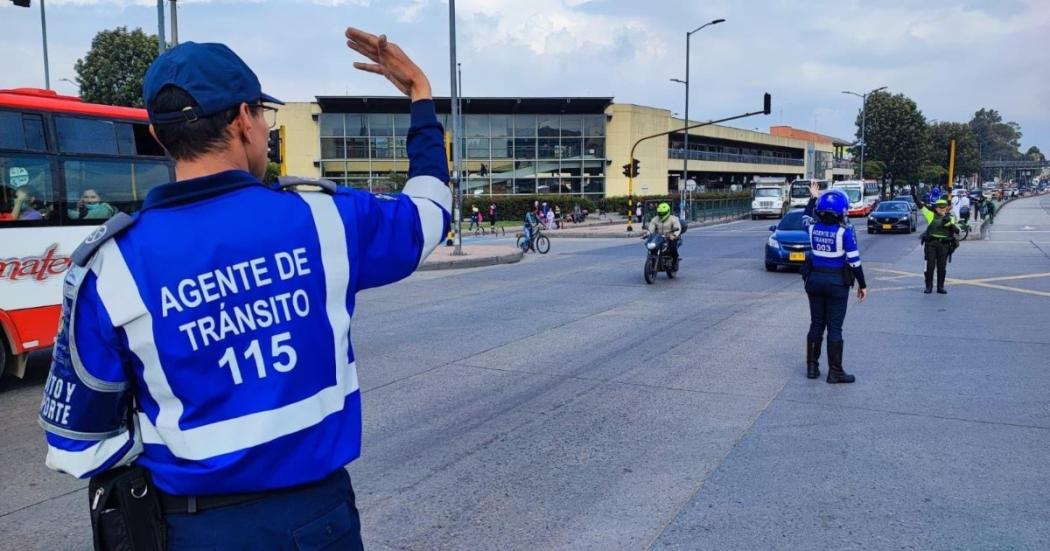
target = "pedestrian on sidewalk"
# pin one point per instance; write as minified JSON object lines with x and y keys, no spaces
{"x":492,"y":215}
{"x":831,"y":269}
{"x":474,"y":222}
{"x":638,"y":213}
{"x":557,"y":216}
{"x":989,"y":211}
{"x":188,"y":442}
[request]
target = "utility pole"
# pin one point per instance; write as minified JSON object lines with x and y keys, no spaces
{"x":685,"y":157}
{"x":457,"y":164}
{"x":174,"y":23}
{"x":161,"y":42}
{"x":863,"y":122}
{"x":43,"y":32}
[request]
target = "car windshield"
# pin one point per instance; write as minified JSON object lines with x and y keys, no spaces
{"x":893,"y":207}
{"x":791,"y":221}
{"x":767,"y":192}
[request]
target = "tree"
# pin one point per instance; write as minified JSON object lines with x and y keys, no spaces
{"x":273,"y":170}
{"x":1033,"y":154}
{"x":874,"y":169}
{"x":967,"y":159}
{"x":996,"y":140}
{"x":111,"y":73}
{"x":896,"y":135}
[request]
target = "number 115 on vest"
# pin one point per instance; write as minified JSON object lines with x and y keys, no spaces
{"x":281,"y":356}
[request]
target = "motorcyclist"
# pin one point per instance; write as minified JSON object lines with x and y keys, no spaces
{"x":669,"y":226}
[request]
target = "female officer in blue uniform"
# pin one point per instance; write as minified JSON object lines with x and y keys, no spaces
{"x":833,"y":262}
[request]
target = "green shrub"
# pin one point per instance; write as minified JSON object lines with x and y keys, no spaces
{"x":619,"y":203}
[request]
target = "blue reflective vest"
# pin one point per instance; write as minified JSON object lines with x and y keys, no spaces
{"x":210,"y":341}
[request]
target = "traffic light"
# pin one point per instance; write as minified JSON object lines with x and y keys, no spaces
{"x":21,"y":3}
{"x":630,"y":170}
{"x":273,"y":146}
{"x":767,"y":104}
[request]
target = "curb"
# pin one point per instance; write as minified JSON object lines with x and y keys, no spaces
{"x":471,"y":262}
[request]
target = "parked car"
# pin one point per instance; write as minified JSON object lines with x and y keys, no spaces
{"x":789,"y":242}
{"x":893,"y":216}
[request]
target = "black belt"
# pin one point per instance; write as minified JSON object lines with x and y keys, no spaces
{"x":181,"y":505}
{"x":824,"y":270}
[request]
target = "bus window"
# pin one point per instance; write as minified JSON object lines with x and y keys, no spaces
{"x":22,"y":131}
{"x":145,"y":143}
{"x":97,"y":189}
{"x":77,"y":135}
{"x":25,"y":188}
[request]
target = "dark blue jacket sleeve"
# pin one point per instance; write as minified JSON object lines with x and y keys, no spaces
{"x":426,"y":143}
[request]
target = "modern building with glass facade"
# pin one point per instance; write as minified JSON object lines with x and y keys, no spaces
{"x":550,"y":145}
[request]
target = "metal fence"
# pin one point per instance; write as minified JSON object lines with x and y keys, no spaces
{"x":702,"y":210}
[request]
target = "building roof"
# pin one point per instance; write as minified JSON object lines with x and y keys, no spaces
{"x":799,"y":134}
{"x":471,"y":105}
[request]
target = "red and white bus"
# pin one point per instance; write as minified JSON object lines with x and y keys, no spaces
{"x":65,"y":167}
{"x":863,"y":195}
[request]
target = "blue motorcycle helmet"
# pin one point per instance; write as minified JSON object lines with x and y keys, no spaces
{"x":832,"y":206}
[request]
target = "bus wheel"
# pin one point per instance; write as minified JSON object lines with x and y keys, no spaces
{"x":5,"y":357}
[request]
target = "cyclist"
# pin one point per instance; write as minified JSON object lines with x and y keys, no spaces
{"x":667,"y":225}
{"x":532,"y":221}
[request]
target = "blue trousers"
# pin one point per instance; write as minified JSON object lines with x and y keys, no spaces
{"x":828,"y":298}
{"x":323,"y":516}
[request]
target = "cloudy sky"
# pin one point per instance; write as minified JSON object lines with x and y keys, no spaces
{"x":951,"y":56}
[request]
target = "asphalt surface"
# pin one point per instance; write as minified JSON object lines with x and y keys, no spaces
{"x":562,"y":403}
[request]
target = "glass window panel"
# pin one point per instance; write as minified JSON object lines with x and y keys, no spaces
{"x":550,"y":168}
{"x":594,"y":148}
{"x":565,"y":185}
{"x":571,"y":125}
{"x":501,"y":126}
{"x":548,"y":125}
{"x":380,"y":125}
{"x":358,"y":183}
{"x":31,"y":175}
{"x":331,"y":124}
{"x":382,"y":148}
{"x":125,"y":139}
{"x":402,"y":121}
{"x":475,"y":184}
{"x":477,"y":126}
{"x":524,"y":185}
{"x":357,"y":148}
{"x":594,"y":186}
{"x":477,"y":148}
{"x":571,"y":147}
{"x":357,"y":169}
{"x":502,"y":186}
{"x":594,"y":125}
{"x":11,"y":133}
{"x":97,"y":189}
{"x":571,"y":168}
{"x":524,"y":125}
{"x":333,"y":148}
{"x":549,"y":148}
{"x":502,"y":148}
{"x":547,"y":185}
{"x":524,"y":168}
{"x":34,"y":131}
{"x":356,"y":125}
{"x":525,"y":148}
{"x":86,"y":135}
{"x":401,"y":148}
{"x":594,"y":168}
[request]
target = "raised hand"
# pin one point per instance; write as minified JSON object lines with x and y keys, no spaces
{"x":390,"y":61}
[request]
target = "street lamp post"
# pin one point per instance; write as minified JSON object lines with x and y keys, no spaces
{"x":863,"y":122}
{"x":457,"y":165}
{"x":685,"y":156}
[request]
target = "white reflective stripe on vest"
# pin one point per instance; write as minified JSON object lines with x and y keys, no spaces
{"x":230,"y":435}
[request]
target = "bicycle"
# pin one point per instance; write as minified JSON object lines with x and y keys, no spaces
{"x":539,"y":242}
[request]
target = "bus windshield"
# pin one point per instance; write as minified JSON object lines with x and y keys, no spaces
{"x":800,"y":191}
{"x":853,"y":193}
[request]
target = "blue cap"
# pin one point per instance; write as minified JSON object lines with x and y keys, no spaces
{"x":211,"y":73}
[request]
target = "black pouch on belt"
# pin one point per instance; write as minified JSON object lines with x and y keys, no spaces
{"x":848,"y":279}
{"x":126,"y":513}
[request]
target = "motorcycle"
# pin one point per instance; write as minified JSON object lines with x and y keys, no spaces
{"x":658,"y":258}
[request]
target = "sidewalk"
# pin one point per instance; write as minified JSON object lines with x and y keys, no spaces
{"x":473,"y":257}
{"x":620,"y":229}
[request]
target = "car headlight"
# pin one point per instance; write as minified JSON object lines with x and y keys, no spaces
{"x":773,"y":242}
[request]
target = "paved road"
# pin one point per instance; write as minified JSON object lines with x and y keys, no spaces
{"x":561,"y":403}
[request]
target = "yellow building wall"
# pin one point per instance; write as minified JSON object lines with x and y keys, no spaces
{"x":628,"y":123}
{"x":302,"y":138}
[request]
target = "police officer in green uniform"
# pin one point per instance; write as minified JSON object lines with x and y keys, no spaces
{"x":939,"y":240}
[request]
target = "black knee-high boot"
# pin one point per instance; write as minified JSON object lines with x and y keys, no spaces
{"x":835,"y":372}
{"x":813,"y":358}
